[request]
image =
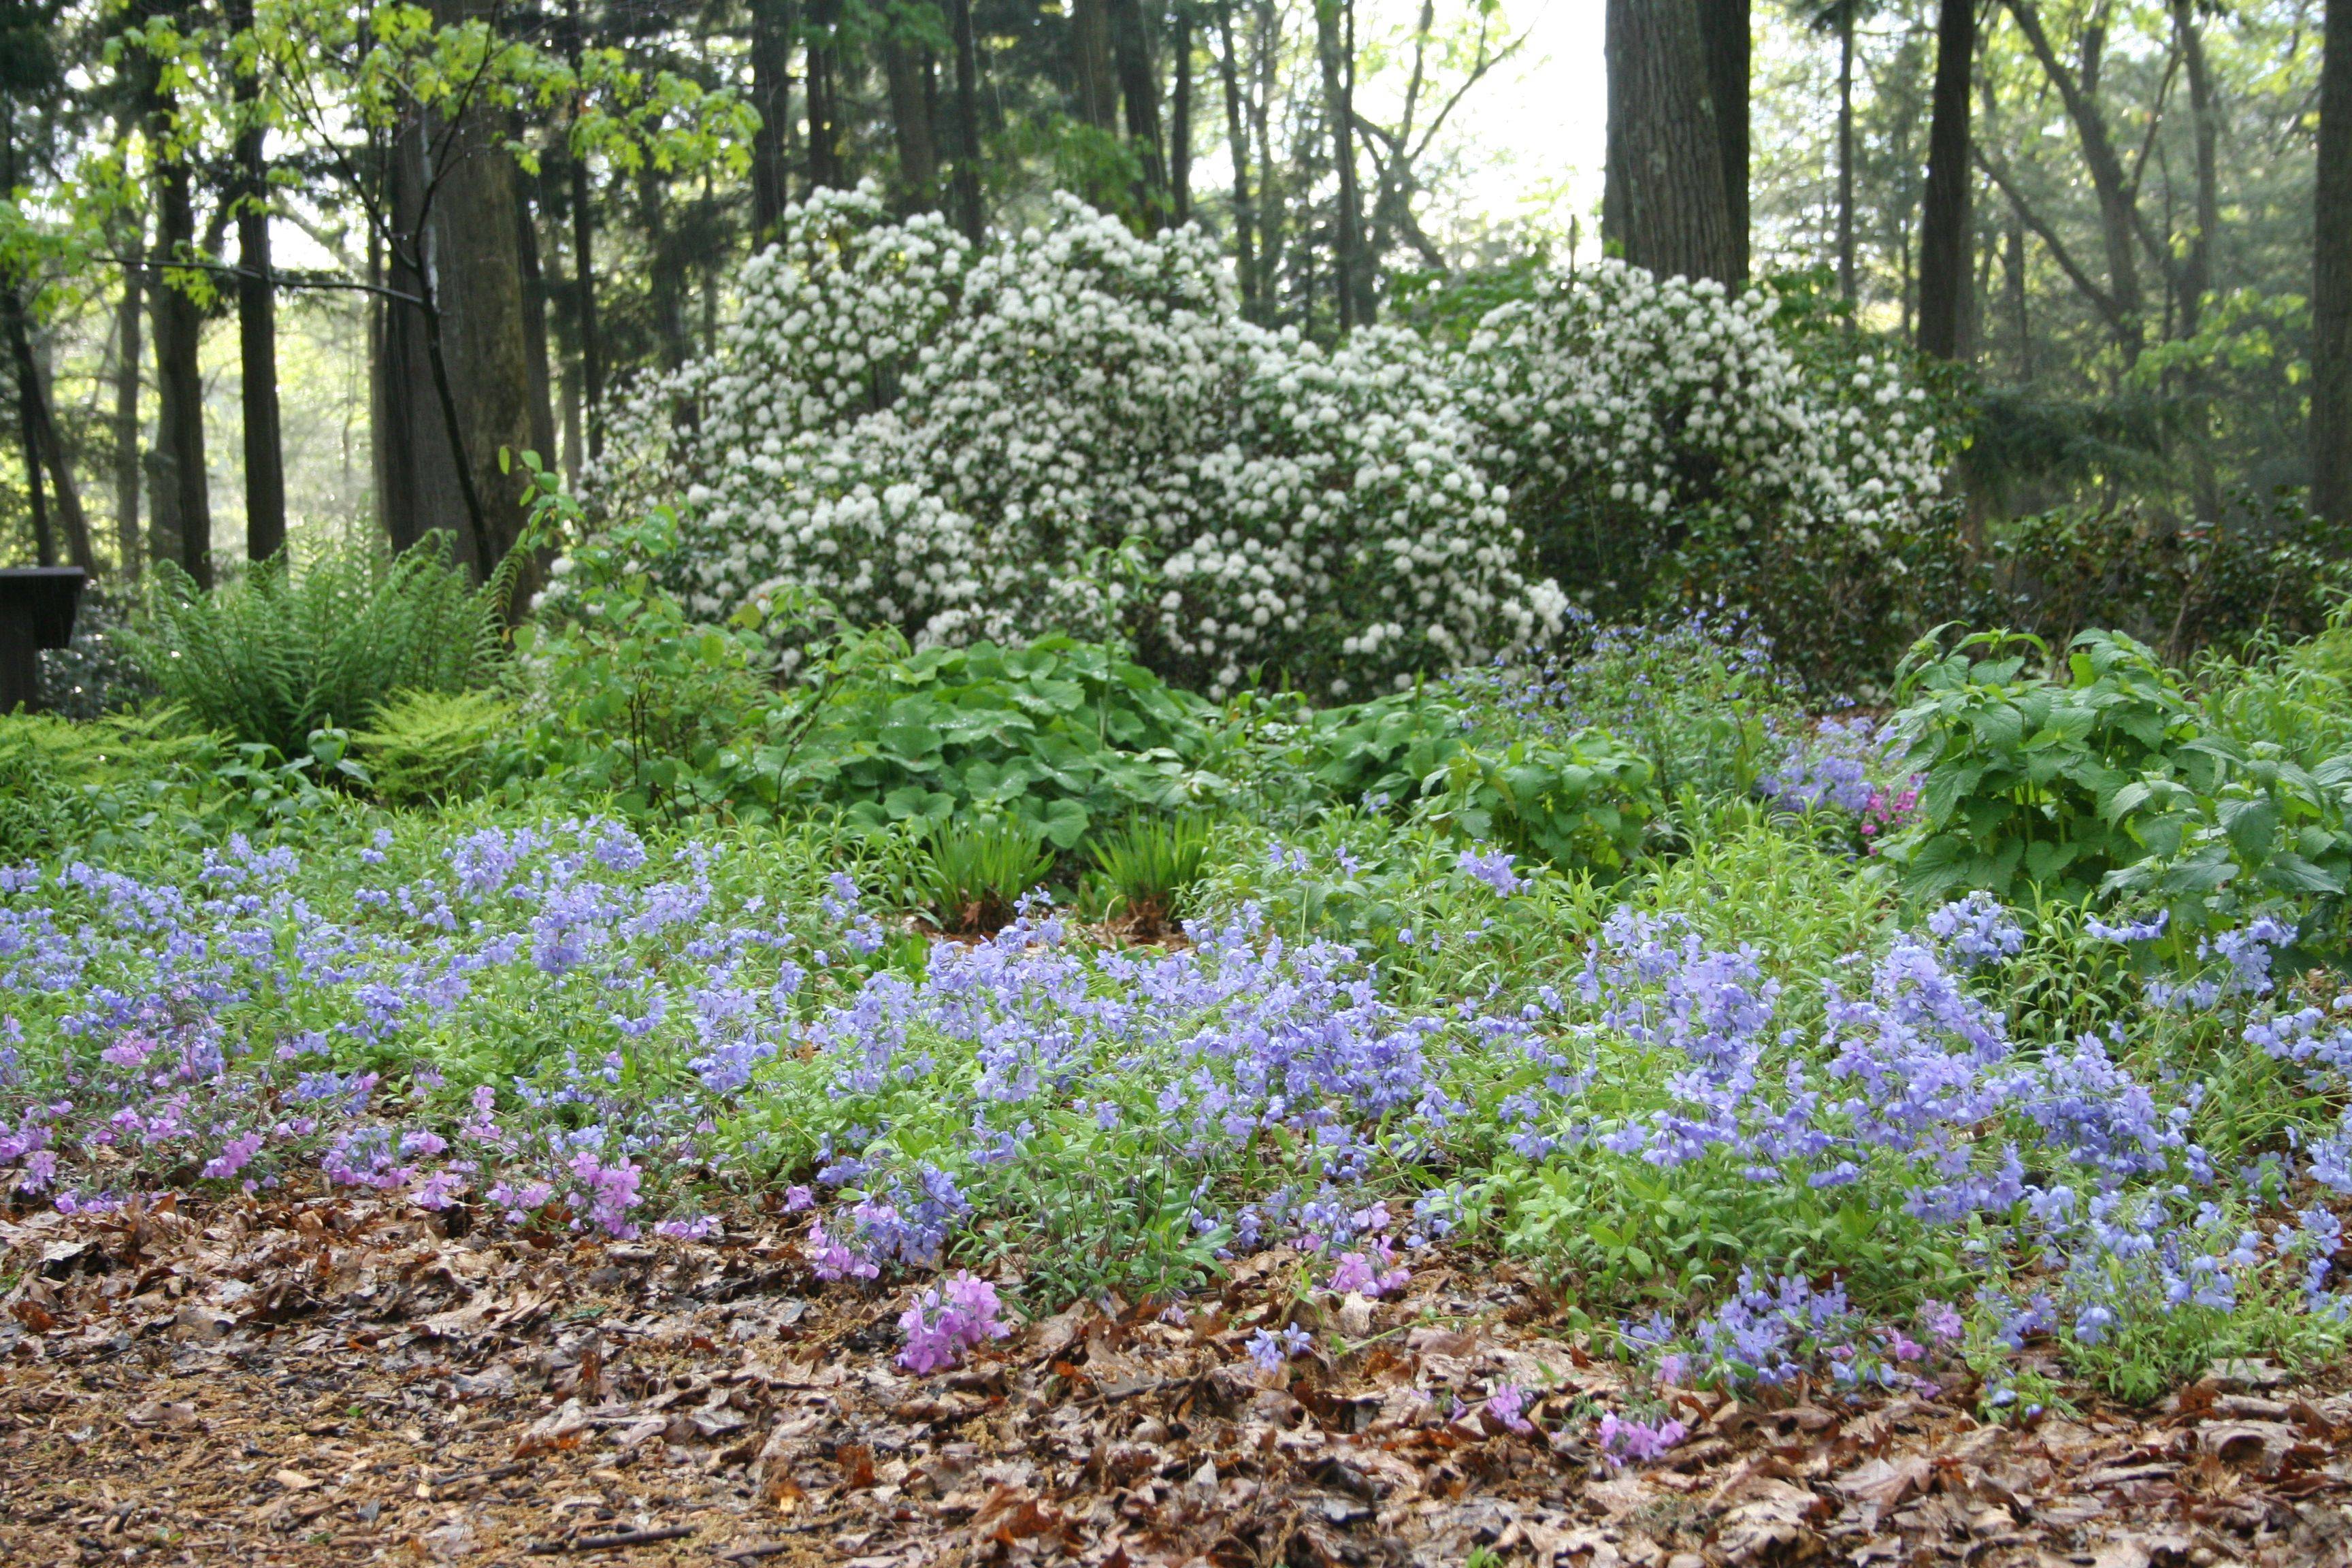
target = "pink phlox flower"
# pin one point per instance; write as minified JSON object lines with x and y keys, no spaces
{"x":1508,"y":1403}
{"x":1635,"y":1441}
{"x":945,"y":1323}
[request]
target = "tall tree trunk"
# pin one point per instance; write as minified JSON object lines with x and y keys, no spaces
{"x":966,"y":121}
{"x":2194,"y":278}
{"x":910,"y":122}
{"x":1664,"y":204}
{"x":1094,"y":86}
{"x":1139,"y":91}
{"x":179,"y":379}
{"x":129,"y":349}
{"x":461,"y":351}
{"x":1237,"y":139}
{"x":828,"y":163}
{"x":772,"y":97}
{"x":2331,"y":278}
{"x":584,"y":258}
{"x":1179,"y":125}
{"x":71,"y":518}
{"x":538,"y":377}
{"x":1265,"y":43}
{"x":256,"y":315}
{"x":1944,"y":224}
{"x":28,"y":430}
{"x":1846,"y":289}
{"x":1334,"y":24}
{"x":1730,"y":46}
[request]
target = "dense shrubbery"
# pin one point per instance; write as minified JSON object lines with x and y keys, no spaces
{"x":1075,"y":431}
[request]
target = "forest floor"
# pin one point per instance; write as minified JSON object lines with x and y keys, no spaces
{"x":322,"y":1379}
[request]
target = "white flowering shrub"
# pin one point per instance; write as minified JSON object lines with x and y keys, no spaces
{"x":1073,"y":430}
{"x":1664,"y":437}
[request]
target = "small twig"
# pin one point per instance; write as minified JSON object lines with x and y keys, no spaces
{"x":773,"y":1548}
{"x":602,"y":1542}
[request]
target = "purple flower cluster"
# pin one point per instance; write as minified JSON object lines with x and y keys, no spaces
{"x":1623,"y":1442}
{"x":1835,"y":764}
{"x":948,"y":1321}
{"x":1770,"y":1333}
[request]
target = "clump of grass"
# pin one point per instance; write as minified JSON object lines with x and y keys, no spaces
{"x":1151,"y":865}
{"x":973,"y":873}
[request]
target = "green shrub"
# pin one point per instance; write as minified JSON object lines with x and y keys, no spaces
{"x":2108,"y":782}
{"x":1582,"y":805}
{"x":271,"y":659}
{"x":974,"y":872}
{"x":425,"y":747}
{"x":2021,"y":773}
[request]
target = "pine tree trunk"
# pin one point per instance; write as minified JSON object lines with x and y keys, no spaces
{"x":1664,"y":204}
{"x":1139,"y":86}
{"x":1094,"y":86}
{"x":1846,"y":289}
{"x":1237,"y":139}
{"x":2196,"y":276}
{"x":2331,"y":280}
{"x":1944,"y":222}
{"x":1730,"y":41}
{"x":828,"y":165}
{"x":539,"y":378}
{"x":179,"y":379}
{"x":772,"y":97}
{"x":584,"y":259}
{"x":129,"y":349}
{"x":1334,"y":24}
{"x":1179,"y":125}
{"x":71,"y":518}
{"x":910,"y":125}
{"x":256,"y":320}
{"x":967,"y":122}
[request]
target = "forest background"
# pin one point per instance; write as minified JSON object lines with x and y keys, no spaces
{"x":271,"y":264}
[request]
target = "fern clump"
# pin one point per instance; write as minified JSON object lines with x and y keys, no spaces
{"x":423,"y":748}
{"x":289,"y":652}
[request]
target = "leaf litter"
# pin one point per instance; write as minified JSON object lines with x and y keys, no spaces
{"x":328,"y":1379}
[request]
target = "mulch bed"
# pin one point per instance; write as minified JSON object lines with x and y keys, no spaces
{"x":327,"y":1379}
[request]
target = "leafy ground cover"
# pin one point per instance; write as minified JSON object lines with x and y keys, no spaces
{"x":1892,"y":1078}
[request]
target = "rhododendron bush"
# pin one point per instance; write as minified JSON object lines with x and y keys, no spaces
{"x":1075,"y":430}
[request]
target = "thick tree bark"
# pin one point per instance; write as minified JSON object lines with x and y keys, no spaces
{"x":1730,"y":46}
{"x":257,"y":317}
{"x":129,"y":349}
{"x":907,"y":74}
{"x":1237,"y":141}
{"x":1664,"y":204}
{"x":2331,"y":278}
{"x":1094,"y":87}
{"x":966,"y":121}
{"x":772,"y":97}
{"x":1139,"y":86}
{"x":1944,"y":224}
{"x":179,"y":379}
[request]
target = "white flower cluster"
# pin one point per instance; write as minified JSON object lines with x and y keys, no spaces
{"x":1686,"y":401}
{"x":1075,"y":430}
